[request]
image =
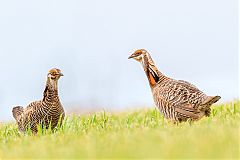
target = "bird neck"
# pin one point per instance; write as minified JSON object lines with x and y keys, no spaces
{"x":153,"y":74}
{"x":51,"y":90}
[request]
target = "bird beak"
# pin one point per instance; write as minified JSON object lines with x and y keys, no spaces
{"x":130,"y":57}
{"x":60,"y":74}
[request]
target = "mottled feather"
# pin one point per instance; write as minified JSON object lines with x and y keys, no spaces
{"x":178,"y":100}
{"x":44,"y":112}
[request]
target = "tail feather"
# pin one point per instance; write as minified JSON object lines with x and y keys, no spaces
{"x":17,"y":111}
{"x":210,"y":100}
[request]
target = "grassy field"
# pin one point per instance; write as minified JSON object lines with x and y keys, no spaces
{"x":140,"y":134}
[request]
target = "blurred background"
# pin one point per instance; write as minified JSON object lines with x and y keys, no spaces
{"x":90,"y":42}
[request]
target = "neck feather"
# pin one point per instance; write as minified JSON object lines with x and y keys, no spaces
{"x":51,"y":90}
{"x":153,"y":74}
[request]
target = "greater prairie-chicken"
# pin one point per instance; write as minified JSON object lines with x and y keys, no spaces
{"x":47,"y":111}
{"x":177,"y":100}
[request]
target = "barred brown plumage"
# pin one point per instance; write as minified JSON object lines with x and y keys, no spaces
{"x":46,"y":111}
{"x":177,"y":100}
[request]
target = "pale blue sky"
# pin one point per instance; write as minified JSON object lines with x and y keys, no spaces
{"x":91,"y":40}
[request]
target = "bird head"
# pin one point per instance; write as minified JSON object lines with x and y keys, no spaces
{"x":138,"y":55}
{"x":54,"y":74}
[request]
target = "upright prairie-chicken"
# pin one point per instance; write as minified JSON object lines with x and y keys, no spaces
{"x":177,"y":100}
{"x":46,"y":111}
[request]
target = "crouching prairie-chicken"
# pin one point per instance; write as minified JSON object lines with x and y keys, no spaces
{"x":177,"y":100}
{"x":47,"y":111}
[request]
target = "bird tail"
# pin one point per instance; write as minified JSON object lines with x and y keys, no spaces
{"x":210,"y":100}
{"x":17,"y":111}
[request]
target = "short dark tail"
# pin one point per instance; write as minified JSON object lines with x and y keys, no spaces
{"x":17,"y":111}
{"x":210,"y":100}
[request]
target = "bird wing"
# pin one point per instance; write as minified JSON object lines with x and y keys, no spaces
{"x":32,"y":114}
{"x":182,"y":96}
{"x":32,"y":107}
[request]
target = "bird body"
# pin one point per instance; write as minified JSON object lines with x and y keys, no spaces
{"x":47,"y":111}
{"x":177,"y":100}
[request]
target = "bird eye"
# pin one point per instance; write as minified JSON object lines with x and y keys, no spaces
{"x":138,"y":54}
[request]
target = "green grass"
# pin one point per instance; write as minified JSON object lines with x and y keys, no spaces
{"x":140,"y":134}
